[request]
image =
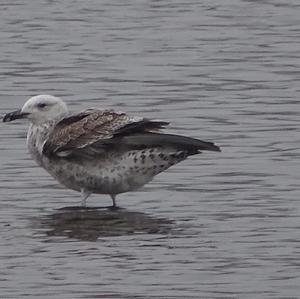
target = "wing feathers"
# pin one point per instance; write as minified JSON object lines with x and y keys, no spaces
{"x":144,"y":125}
{"x":148,"y":139}
{"x":176,"y":141}
{"x":92,"y":131}
{"x":86,"y":128}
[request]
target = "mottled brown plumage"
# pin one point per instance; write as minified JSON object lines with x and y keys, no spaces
{"x":86,"y":128}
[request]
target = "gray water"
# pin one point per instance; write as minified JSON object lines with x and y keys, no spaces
{"x":218,"y":225}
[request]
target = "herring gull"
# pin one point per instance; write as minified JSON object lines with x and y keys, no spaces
{"x":100,"y":151}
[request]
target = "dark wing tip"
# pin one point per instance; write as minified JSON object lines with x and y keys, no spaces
{"x":212,"y":147}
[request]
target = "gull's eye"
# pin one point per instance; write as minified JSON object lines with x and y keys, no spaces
{"x":41,"y":105}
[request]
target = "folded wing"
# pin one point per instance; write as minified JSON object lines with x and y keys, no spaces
{"x":90,"y":129}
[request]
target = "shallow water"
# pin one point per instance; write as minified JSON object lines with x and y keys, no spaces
{"x":219,"y":225}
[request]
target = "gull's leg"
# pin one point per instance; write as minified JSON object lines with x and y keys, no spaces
{"x":84,"y":196}
{"x":113,"y":198}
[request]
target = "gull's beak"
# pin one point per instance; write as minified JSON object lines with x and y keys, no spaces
{"x":14,"y":115}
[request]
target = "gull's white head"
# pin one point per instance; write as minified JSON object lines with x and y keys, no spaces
{"x":40,"y":109}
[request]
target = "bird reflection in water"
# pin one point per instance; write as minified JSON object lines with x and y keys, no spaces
{"x":92,"y":223}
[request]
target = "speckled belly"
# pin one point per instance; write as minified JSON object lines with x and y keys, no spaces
{"x":114,"y":173}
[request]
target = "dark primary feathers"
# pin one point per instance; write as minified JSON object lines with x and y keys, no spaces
{"x":184,"y":143}
{"x":92,"y":130}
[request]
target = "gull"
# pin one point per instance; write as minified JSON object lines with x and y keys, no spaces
{"x":100,"y":151}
